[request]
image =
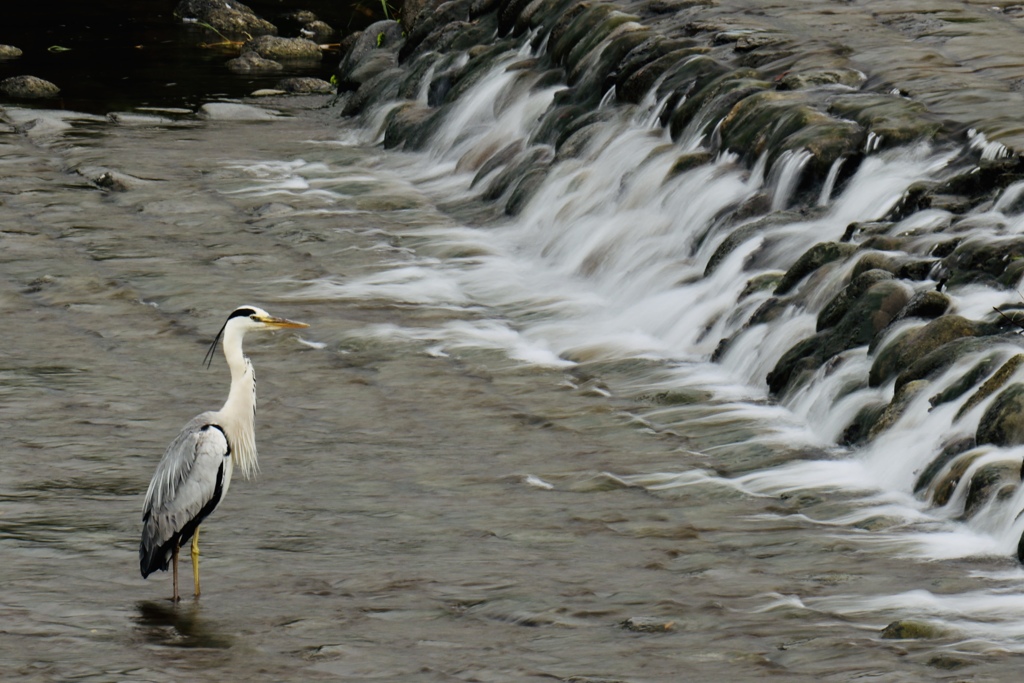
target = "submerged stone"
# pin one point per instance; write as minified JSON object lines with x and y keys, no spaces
{"x":995,"y":480}
{"x":895,"y":120}
{"x":913,"y":629}
{"x":950,"y":450}
{"x":816,"y":78}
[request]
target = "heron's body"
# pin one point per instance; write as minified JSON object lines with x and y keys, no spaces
{"x":195,"y":472}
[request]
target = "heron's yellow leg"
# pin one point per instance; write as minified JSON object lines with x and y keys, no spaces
{"x":195,"y":560}
{"x":174,"y":565}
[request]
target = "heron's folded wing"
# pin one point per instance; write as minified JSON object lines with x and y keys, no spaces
{"x":186,"y":475}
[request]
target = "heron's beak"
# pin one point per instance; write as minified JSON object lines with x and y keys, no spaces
{"x":281,"y":322}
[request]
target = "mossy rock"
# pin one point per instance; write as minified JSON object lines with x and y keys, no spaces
{"x":982,"y":260}
{"x":914,"y":629}
{"x":949,"y":452}
{"x":28,"y":88}
{"x":835,"y":309}
{"x":856,"y":433}
{"x":864,"y":319}
{"x":811,"y":260}
{"x":1003,"y":421}
{"x":744,"y":233}
{"x":895,"y":119}
{"x":284,"y":49}
{"x":897,"y":407}
{"x":761,"y":283}
{"x":715,"y":100}
{"x":967,"y":381}
{"x":636,"y":85}
{"x":928,"y":304}
{"x":989,"y":482}
{"x":991,"y":385}
{"x":816,"y":78}
{"x":937,"y":361}
{"x":226,"y":16}
{"x":947,"y":483}
{"x":914,"y":344}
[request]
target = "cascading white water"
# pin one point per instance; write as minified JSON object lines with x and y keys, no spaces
{"x":607,"y":261}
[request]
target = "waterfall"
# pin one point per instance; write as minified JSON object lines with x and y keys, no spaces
{"x":643,"y":230}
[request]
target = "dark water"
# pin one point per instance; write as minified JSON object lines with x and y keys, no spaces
{"x":121,"y":55}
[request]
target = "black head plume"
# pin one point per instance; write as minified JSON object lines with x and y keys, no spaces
{"x":237,"y":313}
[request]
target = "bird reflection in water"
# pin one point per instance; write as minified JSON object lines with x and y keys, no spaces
{"x":169,"y":624}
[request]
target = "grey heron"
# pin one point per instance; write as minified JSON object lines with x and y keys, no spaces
{"x":194,"y":473}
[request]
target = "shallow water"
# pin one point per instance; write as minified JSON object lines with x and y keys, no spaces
{"x":425,"y":511}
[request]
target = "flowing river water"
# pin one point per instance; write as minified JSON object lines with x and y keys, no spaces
{"x":499,"y":453}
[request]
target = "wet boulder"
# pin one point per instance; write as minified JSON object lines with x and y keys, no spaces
{"x":284,"y":49}
{"x":408,"y":125}
{"x":991,"y":385}
{"x":950,"y":450}
{"x":227,"y":16}
{"x":317,"y":31}
{"x":370,"y":53}
{"x":897,"y":407}
{"x":895,"y":120}
{"x":777,"y":121}
{"x":702,"y":110}
{"x":947,"y":481}
{"x":252,"y":63}
{"x":812,"y":259}
{"x":928,"y":304}
{"x":1003,"y":421}
{"x":632,"y":86}
{"x":9,"y":52}
{"x":865,"y":318}
{"x":806,"y":79}
{"x":914,"y":344}
{"x":993,"y":481}
{"x":28,"y":88}
{"x":983,"y":260}
{"x":913,"y":629}
{"x":305,"y":85}
{"x":836,"y":308}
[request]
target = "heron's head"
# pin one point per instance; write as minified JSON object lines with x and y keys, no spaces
{"x":246,"y":319}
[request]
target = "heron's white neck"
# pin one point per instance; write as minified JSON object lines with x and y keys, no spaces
{"x":238,"y":415}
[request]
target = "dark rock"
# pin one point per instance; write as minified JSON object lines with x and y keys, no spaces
{"x":991,"y":385}
{"x":927,"y":304}
{"x":864,"y":319}
{"x":742,"y":233}
{"x":817,"y":78}
{"x":524,"y":190}
{"x":991,"y":481}
{"x":947,"y":483}
{"x":250,"y":62}
{"x":949,"y":451}
{"x":982,"y":260}
{"x":284,"y":49}
{"x":648,"y":624}
{"x":913,"y":629}
{"x":1003,"y":421}
{"x":305,"y":85}
{"x":914,"y":344}
{"x":227,"y":16}
{"x":856,"y":433}
{"x":899,"y":404}
{"x":28,"y":88}
{"x":814,"y":258}
{"x":317,"y":31}
{"x":895,"y":120}
{"x":967,"y":381}
{"x":835,"y":309}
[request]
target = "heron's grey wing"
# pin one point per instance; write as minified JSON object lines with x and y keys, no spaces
{"x":187,"y":485}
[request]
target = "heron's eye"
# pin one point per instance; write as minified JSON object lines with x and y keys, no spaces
{"x":254,"y":317}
